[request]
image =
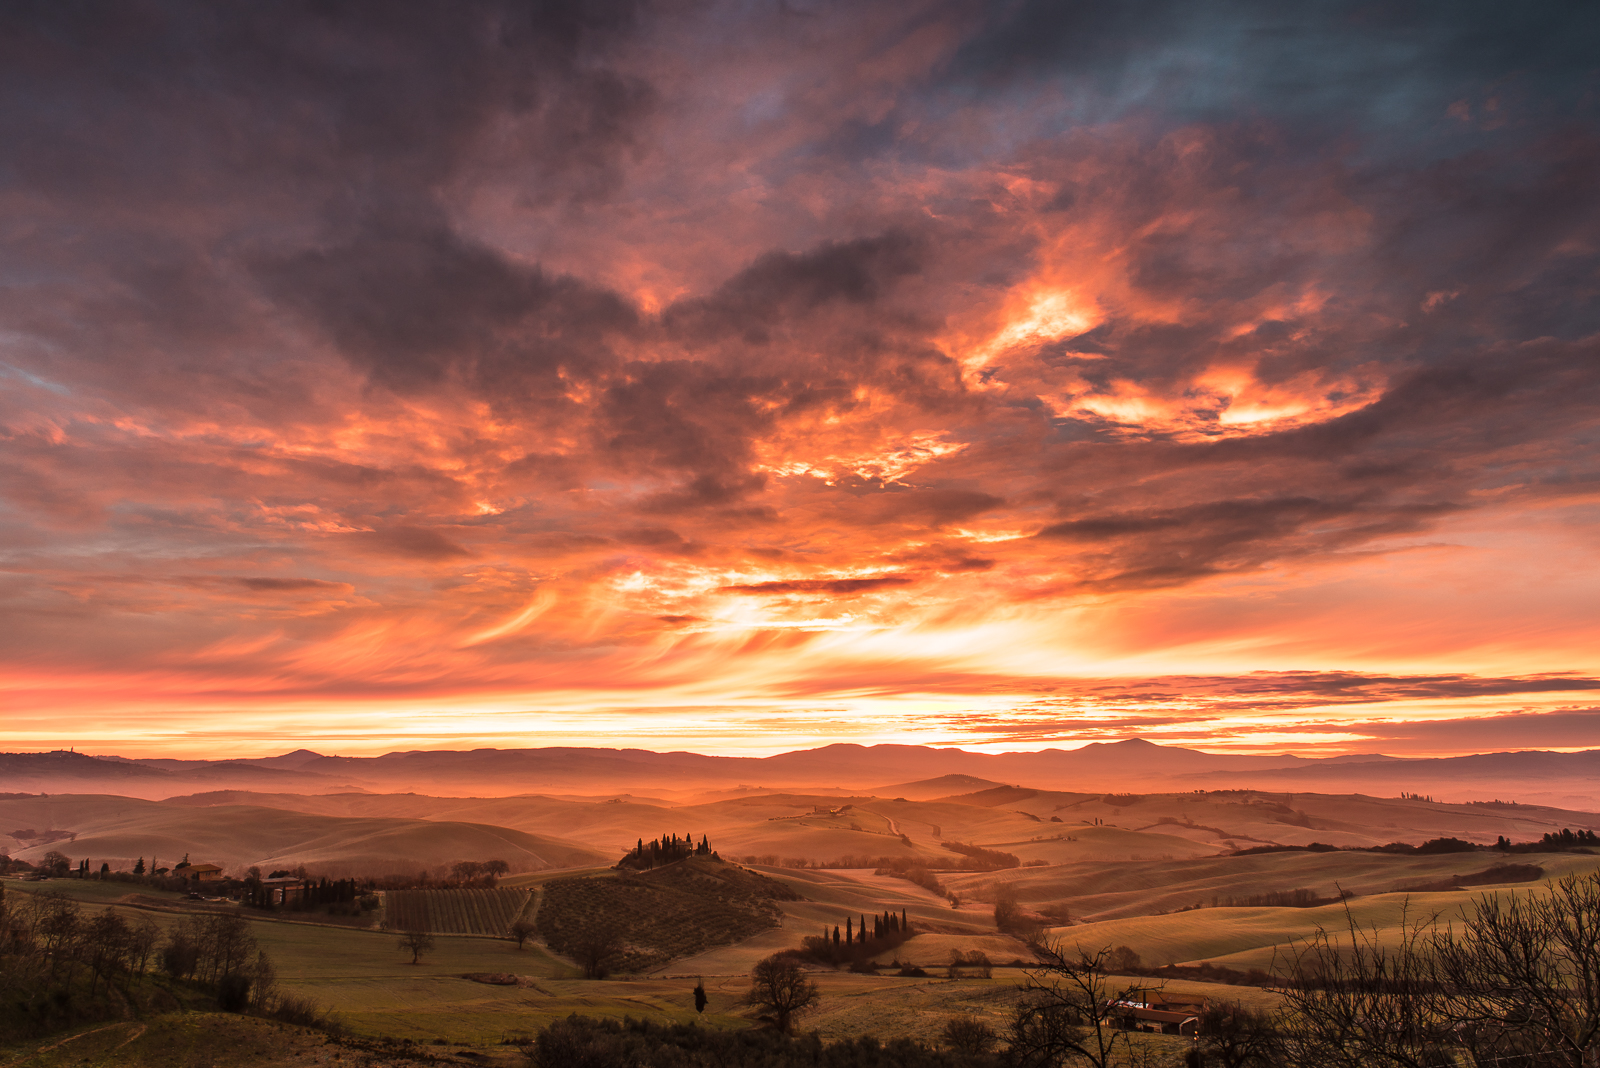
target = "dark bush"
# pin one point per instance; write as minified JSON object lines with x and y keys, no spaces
{"x":233,"y":992}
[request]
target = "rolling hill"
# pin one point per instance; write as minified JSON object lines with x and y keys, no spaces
{"x":117,"y":830}
{"x":1566,"y":779}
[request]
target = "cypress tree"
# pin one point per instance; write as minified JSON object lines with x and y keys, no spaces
{"x":863,"y":929}
{"x":849,"y":932}
{"x":905,"y":924}
{"x":836,"y":935}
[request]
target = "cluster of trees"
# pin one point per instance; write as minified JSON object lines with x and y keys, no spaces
{"x":855,"y":944}
{"x":1566,"y":838}
{"x":474,"y":873}
{"x":981,"y":859}
{"x":668,"y":849}
{"x":60,"y":962}
{"x":976,"y":961}
{"x":912,"y":870}
{"x":1299,"y":898}
{"x":46,"y":940}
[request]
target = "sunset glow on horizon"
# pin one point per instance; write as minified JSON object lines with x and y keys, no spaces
{"x":747,"y":377}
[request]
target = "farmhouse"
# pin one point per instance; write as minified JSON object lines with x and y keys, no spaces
{"x":202,"y":873}
{"x":1161,"y":1013}
{"x":281,"y":889}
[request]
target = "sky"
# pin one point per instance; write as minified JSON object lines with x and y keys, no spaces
{"x":742,"y":376}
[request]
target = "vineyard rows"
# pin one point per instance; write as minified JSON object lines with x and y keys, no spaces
{"x":485,"y":912}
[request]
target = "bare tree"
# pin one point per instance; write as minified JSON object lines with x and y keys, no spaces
{"x":781,"y":987}
{"x":142,"y":939}
{"x":106,"y":944}
{"x":1522,"y":979}
{"x":1371,"y":1003}
{"x":521,"y":931}
{"x":969,"y":1035}
{"x":416,"y":943}
{"x":1069,"y":1010}
{"x":595,"y":949}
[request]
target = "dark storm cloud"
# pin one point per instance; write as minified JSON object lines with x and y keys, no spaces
{"x":1331,"y":61}
{"x":1168,"y":548}
{"x":409,"y":301}
{"x":349,"y":97}
{"x":783,"y":285}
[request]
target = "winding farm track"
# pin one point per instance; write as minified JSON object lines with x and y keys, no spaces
{"x":135,"y":1031}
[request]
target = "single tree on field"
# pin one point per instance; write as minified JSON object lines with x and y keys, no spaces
{"x":700,"y":995}
{"x":1007,"y":907}
{"x":595,"y":949}
{"x":969,"y":1035}
{"x":417,"y":943}
{"x":521,"y":931}
{"x":779,"y":986}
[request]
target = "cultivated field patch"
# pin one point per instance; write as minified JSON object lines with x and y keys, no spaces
{"x":482,"y":912}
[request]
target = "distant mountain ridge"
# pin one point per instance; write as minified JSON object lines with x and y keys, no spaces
{"x":1132,"y":764}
